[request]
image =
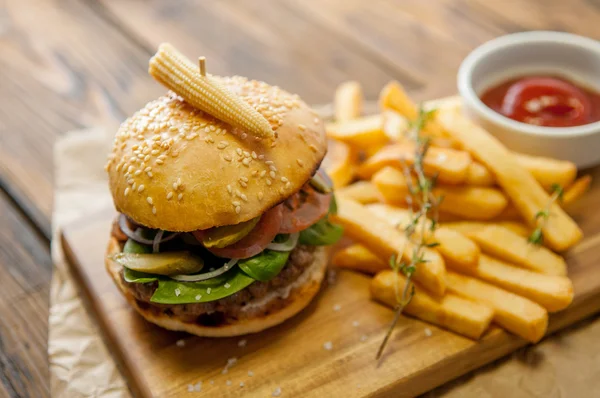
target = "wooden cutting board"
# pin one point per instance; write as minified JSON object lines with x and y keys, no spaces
{"x":293,"y":356}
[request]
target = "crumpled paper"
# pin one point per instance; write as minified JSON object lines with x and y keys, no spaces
{"x":565,"y":365}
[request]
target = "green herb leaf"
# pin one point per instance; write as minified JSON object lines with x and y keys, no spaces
{"x":322,"y":233}
{"x":265,"y":265}
{"x":132,"y":276}
{"x":545,"y":213}
{"x":536,"y":237}
{"x":558,"y":190}
{"x":432,"y":244}
{"x":333,"y":209}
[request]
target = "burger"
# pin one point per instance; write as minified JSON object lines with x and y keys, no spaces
{"x":220,"y":232}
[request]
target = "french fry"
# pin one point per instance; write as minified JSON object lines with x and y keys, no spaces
{"x":468,"y":227}
{"x":395,"y":126}
{"x":453,"y":246}
{"x":360,"y":191}
{"x":393,"y":96}
{"x":339,"y":163}
{"x":552,"y":292}
{"x":451,"y":166}
{"x":507,"y":245}
{"x":576,"y":190}
{"x":474,"y":203}
{"x":348,"y":101}
{"x":361,"y":133}
{"x":452,"y":103}
{"x":364,"y":227}
{"x":479,"y":175}
{"x":450,"y":311}
{"x":514,"y":313}
{"x":560,"y":231}
{"x":548,"y":171}
{"x":359,"y":258}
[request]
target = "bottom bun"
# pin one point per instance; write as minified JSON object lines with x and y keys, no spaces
{"x":299,"y":297}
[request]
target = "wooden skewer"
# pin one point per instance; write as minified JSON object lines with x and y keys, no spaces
{"x":202,"y":63}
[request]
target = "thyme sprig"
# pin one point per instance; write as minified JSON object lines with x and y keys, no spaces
{"x":423,"y":205}
{"x":542,"y":216}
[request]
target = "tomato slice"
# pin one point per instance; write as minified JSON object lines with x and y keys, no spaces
{"x":261,"y":235}
{"x":303,"y":209}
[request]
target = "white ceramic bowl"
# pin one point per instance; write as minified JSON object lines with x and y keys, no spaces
{"x":534,"y":53}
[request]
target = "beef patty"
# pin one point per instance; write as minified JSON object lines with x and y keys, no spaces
{"x":229,"y":309}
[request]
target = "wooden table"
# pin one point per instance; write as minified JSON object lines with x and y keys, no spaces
{"x":69,"y":64}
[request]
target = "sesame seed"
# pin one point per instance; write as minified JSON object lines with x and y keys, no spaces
{"x":130,"y":169}
{"x":288,"y":185}
{"x":236,"y":203}
{"x":179,"y":181}
{"x":244,"y":135}
{"x":272,"y":174}
{"x":254,"y":156}
{"x":154,"y":152}
{"x":229,"y":188}
{"x":227,"y":158}
{"x":245,"y":179}
{"x":328,"y":345}
{"x":284,"y":179}
{"x":428,"y":332}
{"x":239,"y":152}
{"x":147,"y":169}
{"x":244,"y":197}
{"x":269,"y":162}
{"x":222,"y":144}
{"x":243,"y":184}
{"x":302,"y":127}
{"x":180,"y":196}
{"x":263,"y":173}
{"x":154,"y":210}
{"x":126,"y":191}
{"x":175,"y":186}
{"x":268,"y":182}
{"x":313,"y":148}
{"x":300,"y":162}
{"x":149,"y":200}
{"x":169,"y":195}
{"x":272,"y":168}
{"x":238,"y":209}
{"x":254,"y":173}
{"x":141,"y":188}
{"x":134,"y":185}
{"x":261,"y":157}
{"x":150,"y":174}
{"x":159,"y":161}
{"x":260,"y":195}
{"x":246,"y":161}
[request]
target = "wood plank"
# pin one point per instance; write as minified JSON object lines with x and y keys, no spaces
{"x":25,"y":269}
{"x":266,"y":40}
{"x":412,"y":365}
{"x":62,"y":67}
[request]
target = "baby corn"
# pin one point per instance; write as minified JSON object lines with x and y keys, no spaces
{"x":173,"y":70}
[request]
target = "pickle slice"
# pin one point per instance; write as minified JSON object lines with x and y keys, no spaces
{"x":168,"y":263}
{"x":227,"y":235}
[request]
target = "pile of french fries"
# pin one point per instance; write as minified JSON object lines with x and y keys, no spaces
{"x":483,"y":269}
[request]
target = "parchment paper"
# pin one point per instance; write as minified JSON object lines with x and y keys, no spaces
{"x":564,"y":365}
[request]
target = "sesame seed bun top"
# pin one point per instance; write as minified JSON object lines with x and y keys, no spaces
{"x":175,"y":168}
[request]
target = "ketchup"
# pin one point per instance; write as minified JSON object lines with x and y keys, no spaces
{"x":544,"y":101}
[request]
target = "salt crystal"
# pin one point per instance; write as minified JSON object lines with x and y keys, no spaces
{"x":276,"y":392}
{"x":242,"y":343}
{"x":363,"y":337}
{"x":241,"y":384}
{"x":355,"y":324}
{"x":190,"y":387}
{"x":250,"y":373}
{"x":328,"y":345}
{"x":337,"y":307}
{"x":228,"y":382}
{"x":180,"y":343}
{"x":428,"y":332}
